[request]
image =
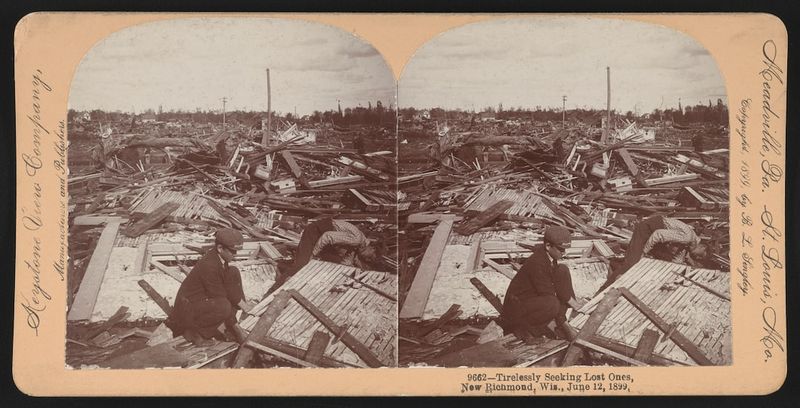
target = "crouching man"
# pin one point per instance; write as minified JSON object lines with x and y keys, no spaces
{"x":211,"y":294}
{"x":538,"y":296}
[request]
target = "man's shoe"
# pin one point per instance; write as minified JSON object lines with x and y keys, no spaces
{"x":196,"y":339}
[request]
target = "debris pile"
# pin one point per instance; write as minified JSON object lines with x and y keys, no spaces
{"x":146,"y":199}
{"x":475,"y":200}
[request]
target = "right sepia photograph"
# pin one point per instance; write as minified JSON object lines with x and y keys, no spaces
{"x":563,"y":197}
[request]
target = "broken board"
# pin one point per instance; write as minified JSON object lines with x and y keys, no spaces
{"x":507,"y":351}
{"x":417,"y":297}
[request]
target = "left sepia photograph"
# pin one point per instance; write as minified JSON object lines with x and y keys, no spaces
{"x":232,"y":198}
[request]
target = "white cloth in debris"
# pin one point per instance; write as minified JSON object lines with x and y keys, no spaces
{"x":674,"y":232}
{"x":344,"y":233}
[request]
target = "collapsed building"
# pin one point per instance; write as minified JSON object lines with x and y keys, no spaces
{"x":145,"y":201}
{"x":476,"y":200}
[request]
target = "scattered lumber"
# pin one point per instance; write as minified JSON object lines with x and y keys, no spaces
{"x":85,"y":299}
{"x":487,"y":216}
{"x":685,"y":344}
{"x":590,"y":327}
{"x":160,"y":300}
{"x":487,"y":294}
{"x":417,"y":297}
{"x":351,"y":342}
{"x":262,"y":326}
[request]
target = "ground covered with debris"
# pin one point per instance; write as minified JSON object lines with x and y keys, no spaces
{"x":145,"y":200}
{"x":475,"y":198}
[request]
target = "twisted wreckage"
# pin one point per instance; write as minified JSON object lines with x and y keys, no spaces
{"x":144,"y":208}
{"x":473,"y":210}
{"x":457,"y":218}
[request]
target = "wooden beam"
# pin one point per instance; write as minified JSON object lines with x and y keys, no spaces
{"x":85,"y":299}
{"x":297,"y":172}
{"x":351,"y":342}
{"x":628,"y":161}
{"x":488,"y":295}
{"x":629,"y":351}
{"x":417,"y":297}
{"x":705,"y":287}
{"x":592,"y":324}
{"x":270,"y":350}
{"x":453,"y":312}
{"x":611,"y":353}
{"x":117,"y":317}
{"x":361,"y":197}
{"x":160,"y":301}
{"x":430,"y":218}
{"x":647,"y":343}
{"x":484,"y":218}
{"x":316,"y":347}
{"x":685,"y":344}
{"x":151,"y":220}
{"x":671,"y":179}
{"x":262,"y":326}
{"x":334,"y":181}
{"x":95,"y":220}
{"x":293,"y":167}
{"x":508,"y":272}
{"x":168,"y":271}
{"x":297,"y":352}
{"x":370,"y":287}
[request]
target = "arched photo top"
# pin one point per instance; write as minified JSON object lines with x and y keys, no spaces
{"x":536,"y":61}
{"x":191,"y":64}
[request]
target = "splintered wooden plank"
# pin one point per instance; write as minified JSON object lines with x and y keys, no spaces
{"x":171,"y":272}
{"x":270,"y":250}
{"x":507,"y":351}
{"x":93,"y":220}
{"x":317,"y":346}
{"x":264,"y":323}
{"x":296,"y":171}
{"x":685,"y":344}
{"x":647,"y":343}
{"x":361,"y":197}
{"x":85,"y":299}
{"x":672,"y":179}
{"x":417,"y":297}
{"x":488,"y":295}
{"x":507,"y":271}
{"x":351,"y":342}
{"x":119,"y":316}
{"x":151,"y":220}
{"x":628,"y":160}
{"x":484,"y":218}
{"x":334,"y":181}
{"x":611,"y":353}
{"x":173,"y":353}
{"x":592,"y":324}
{"x":160,"y":300}
{"x":269,"y":350}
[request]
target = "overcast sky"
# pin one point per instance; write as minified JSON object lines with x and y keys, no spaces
{"x":534,"y":61}
{"x":194,"y":63}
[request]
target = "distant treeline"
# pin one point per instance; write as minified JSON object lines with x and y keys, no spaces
{"x":711,"y":113}
{"x":370,"y":115}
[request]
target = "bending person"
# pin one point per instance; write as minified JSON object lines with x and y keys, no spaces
{"x":333,"y":240}
{"x":679,"y":241}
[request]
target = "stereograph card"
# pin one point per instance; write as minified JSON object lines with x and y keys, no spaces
{"x":374,"y":204}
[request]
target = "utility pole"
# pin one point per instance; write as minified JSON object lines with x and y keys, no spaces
{"x":265,"y":132}
{"x":607,"y":130}
{"x":224,"y":101}
{"x":564,"y":112}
